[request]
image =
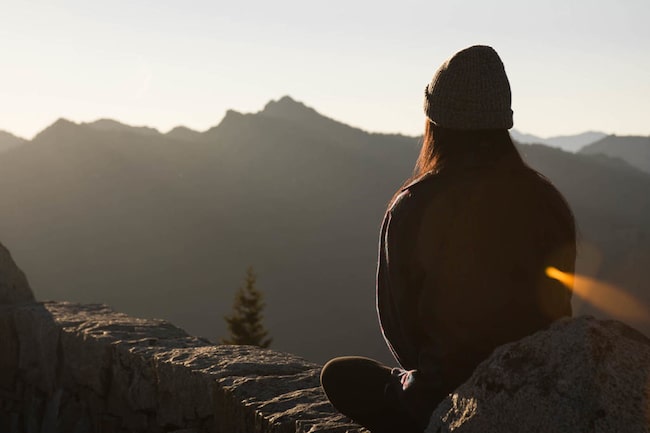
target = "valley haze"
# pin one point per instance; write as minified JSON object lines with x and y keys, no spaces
{"x":165,"y":225}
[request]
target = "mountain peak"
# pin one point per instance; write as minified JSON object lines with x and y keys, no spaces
{"x":230,"y":113}
{"x":289,"y":110}
{"x":183,"y":133}
{"x":287,"y":107}
{"x":114,"y":125}
{"x":62,"y":122}
{"x":230,"y":120}
{"x":60,"y":128}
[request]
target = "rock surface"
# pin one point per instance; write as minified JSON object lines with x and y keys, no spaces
{"x":71,"y":368}
{"x":14,"y":287}
{"x":580,"y":375}
{"x":68,"y":367}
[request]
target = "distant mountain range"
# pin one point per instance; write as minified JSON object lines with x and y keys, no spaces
{"x":570,"y":143}
{"x":633,"y":150}
{"x":165,"y":225}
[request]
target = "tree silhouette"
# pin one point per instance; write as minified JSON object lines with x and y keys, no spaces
{"x":245,"y":322}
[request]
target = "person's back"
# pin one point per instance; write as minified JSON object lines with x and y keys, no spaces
{"x":464,"y":253}
{"x":486,"y":236}
{"x":464,"y":250}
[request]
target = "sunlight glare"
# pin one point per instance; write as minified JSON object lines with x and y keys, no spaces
{"x":608,"y":298}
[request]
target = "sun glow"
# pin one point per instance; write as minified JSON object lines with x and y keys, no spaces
{"x":607,"y":297}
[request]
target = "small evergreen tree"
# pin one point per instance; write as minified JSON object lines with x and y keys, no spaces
{"x":245,"y":322}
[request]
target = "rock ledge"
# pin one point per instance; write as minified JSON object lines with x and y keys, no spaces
{"x":75,"y":368}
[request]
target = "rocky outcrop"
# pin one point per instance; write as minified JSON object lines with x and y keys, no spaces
{"x":14,"y":287}
{"x":74,"y":368}
{"x":581,"y":375}
{"x":70,"y":367}
{"x":84,"y":368}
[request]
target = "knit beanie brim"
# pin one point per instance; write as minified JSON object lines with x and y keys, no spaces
{"x":470,"y":91}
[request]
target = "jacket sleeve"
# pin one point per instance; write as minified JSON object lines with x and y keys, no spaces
{"x":418,"y":387}
{"x":397,"y":283}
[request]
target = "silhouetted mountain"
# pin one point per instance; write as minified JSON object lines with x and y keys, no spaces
{"x":61,"y":129}
{"x":159,"y":227}
{"x":299,"y":115}
{"x":184,"y":134}
{"x":570,"y":143}
{"x":8,"y":141}
{"x":112,"y":125}
{"x":288,"y":108}
{"x":633,"y":150}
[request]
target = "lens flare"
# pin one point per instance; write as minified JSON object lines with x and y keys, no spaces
{"x":606,"y":297}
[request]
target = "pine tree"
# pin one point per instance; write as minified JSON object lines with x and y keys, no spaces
{"x":245,"y":322}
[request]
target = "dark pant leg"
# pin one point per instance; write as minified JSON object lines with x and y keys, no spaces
{"x":356,"y":387}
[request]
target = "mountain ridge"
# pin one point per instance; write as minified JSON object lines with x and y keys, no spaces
{"x":291,"y":109}
{"x":634,"y":150}
{"x":165,"y":228}
{"x":570,"y":143}
{"x":105,"y":124}
{"x":183,"y":133}
{"x":9,"y":141}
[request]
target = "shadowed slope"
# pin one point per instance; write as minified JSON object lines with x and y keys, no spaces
{"x":160,"y":226}
{"x":633,"y":150}
{"x":8,"y":140}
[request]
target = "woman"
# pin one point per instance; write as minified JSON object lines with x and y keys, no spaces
{"x":464,"y":247}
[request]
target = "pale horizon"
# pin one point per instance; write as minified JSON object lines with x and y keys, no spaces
{"x":572,"y":67}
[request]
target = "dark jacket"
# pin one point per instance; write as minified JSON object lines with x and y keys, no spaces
{"x":461,"y":271}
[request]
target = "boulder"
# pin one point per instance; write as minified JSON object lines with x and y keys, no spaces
{"x":14,"y":287}
{"x":580,"y":375}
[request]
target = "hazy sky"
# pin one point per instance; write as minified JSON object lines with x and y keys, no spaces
{"x":573,"y":65}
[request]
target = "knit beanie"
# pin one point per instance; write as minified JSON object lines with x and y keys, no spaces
{"x":470,"y":91}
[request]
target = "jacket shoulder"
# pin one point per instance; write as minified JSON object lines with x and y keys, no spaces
{"x":402,"y":197}
{"x":412,"y":200}
{"x":420,"y":180}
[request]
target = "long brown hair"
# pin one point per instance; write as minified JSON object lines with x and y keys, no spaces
{"x":444,"y":148}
